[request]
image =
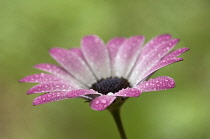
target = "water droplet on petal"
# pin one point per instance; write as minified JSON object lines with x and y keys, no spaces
{"x":42,"y":74}
{"x":103,"y":101}
{"x":172,"y":83}
{"x":110,"y":94}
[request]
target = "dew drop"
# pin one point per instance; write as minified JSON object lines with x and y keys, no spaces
{"x":103,"y":101}
{"x":110,"y":94}
{"x":42,"y":74}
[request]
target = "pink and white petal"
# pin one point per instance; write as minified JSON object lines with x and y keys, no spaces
{"x":127,"y":55}
{"x":50,"y":87}
{"x":54,"y":69}
{"x":175,"y":53}
{"x":102,"y":102}
{"x":166,"y":60}
{"x":149,"y":48}
{"x":42,"y":78}
{"x":96,"y":55}
{"x":50,"y":97}
{"x":147,"y":62}
{"x":160,"y":64}
{"x":82,"y":92}
{"x":60,"y":72}
{"x":56,"y":96}
{"x":155,"y":42}
{"x":128,"y":92}
{"x":74,"y":65}
{"x":156,"y":84}
{"x":78,"y":52}
{"x":113,"y":46}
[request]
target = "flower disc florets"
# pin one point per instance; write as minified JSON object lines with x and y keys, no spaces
{"x":112,"y":85}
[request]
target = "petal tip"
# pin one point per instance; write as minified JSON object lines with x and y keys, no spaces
{"x":35,"y":102}
{"x":21,"y":80}
{"x":29,"y":92}
{"x":89,"y":38}
{"x":185,"y":49}
{"x":55,"y":51}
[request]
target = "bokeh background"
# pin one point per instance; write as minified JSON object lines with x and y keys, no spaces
{"x":29,"y":28}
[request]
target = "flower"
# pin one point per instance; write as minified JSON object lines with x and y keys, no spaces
{"x":105,"y":75}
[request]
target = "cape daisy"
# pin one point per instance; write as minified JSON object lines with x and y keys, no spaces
{"x":105,"y":75}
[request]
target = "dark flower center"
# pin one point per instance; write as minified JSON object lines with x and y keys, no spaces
{"x":108,"y":85}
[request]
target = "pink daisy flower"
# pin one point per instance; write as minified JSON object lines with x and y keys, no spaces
{"x":105,"y":74}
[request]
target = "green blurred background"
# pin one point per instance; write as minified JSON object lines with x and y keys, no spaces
{"x":29,"y":28}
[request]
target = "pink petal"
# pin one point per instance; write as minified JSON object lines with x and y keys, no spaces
{"x":129,"y":92}
{"x":42,"y":78}
{"x":50,"y":87}
{"x":127,"y":55}
{"x":81,"y":92}
{"x":60,"y":72}
{"x":74,"y":65}
{"x":113,"y":46}
{"x":78,"y":52}
{"x":102,"y":102}
{"x":153,"y":43}
{"x":156,"y":84}
{"x":166,"y":60}
{"x":56,"y":70}
{"x":56,"y":96}
{"x":146,"y":62}
{"x":96,"y":55}
{"x":160,"y":64}
{"x":50,"y":97}
{"x":176,"y":53}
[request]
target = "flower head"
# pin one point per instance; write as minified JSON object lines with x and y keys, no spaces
{"x":105,"y":75}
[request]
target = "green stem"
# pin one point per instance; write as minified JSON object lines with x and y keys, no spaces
{"x":116,"y":115}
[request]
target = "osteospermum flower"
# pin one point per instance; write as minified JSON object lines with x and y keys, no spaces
{"x":105,"y":74}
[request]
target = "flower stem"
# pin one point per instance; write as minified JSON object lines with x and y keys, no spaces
{"x":116,"y":115}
